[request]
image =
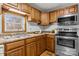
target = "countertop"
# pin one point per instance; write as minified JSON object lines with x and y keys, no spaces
{"x":2,"y":41}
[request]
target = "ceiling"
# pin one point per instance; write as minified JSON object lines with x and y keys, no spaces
{"x":46,"y":7}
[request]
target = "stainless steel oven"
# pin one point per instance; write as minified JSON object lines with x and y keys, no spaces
{"x":68,"y":19}
{"x":66,"y":42}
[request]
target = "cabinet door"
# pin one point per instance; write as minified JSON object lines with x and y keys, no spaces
{"x":31,"y":49}
{"x":24,"y":7}
{"x":20,"y":51}
{"x":0,"y":8}
{"x":29,"y":9}
{"x":43,"y":44}
{"x":53,"y":17}
{"x":32,"y":13}
{"x":73,"y":9}
{"x":44,"y":18}
{"x":61,"y":12}
{"x":51,"y":44}
{"x":20,"y":6}
{"x":57,"y":13}
{"x":40,"y":45}
{"x":37,"y":15}
{"x":38,"y":48}
{"x":66,"y":11}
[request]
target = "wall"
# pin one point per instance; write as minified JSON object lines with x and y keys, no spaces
{"x":50,"y":27}
{"x":31,"y":26}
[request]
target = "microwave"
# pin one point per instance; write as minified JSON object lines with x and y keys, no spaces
{"x":68,"y":20}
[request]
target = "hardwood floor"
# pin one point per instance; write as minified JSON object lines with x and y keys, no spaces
{"x":47,"y":53}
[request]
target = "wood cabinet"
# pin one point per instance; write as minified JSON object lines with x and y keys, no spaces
{"x":13,"y":45}
{"x":29,"y":9}
{"x":44,"y":18}
{"x":73,"y":9}
{"x":0,"y":8}
{"x":66,"y":11}
{"x":24,"y":7}
{"x":41,"y":45}
{"x":14,"y":5}
{"x":34,"y":46}
{"x":61,"y":12}
{"x":20,"y":51}
{"x":51,"y":43}
{"x":38,"y":51}
{"x":35,"y":15}
{"x":32,"y":14}
{"x":20,"y":6}
{"x":15,"y":48}
{"x":30,"y":40}
{"x":31,"y":49}
{"x":53,"y":17}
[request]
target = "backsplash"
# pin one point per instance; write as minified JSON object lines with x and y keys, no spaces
{"x":50,"y":27}
{"x":31,"y":27}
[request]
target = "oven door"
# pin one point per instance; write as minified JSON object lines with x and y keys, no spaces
{"x":66,"y":42}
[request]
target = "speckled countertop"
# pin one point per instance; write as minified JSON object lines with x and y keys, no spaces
{"x":2,"y":41}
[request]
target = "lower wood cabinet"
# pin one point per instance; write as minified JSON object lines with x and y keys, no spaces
{"x":20,"y":51}
{"x":50,"y":44}
{"x":40,"y":45}
{"x":38,"y":48}
{"x":31,"y":49}
{"x":43,"y":44}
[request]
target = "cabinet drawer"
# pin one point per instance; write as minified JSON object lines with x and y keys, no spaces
{"x":13,"y":45}
{"x":30,"y":40}
{"x":20,"y":51}
{"x":51,"y":36}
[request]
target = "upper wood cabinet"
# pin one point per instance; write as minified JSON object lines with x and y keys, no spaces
{"x":14,"y":5}
{"x":24,"y":7}
{"x":44,"y":18}
{"x":29,"y":9}
{"x":66,"y":11}
{"x":61,"y":12}
{"x":32,"y":14}
{"x":35,"y":15}
{"x":0,"y":8}
{"x":73,"y":9}
{"x":53,"y":17}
